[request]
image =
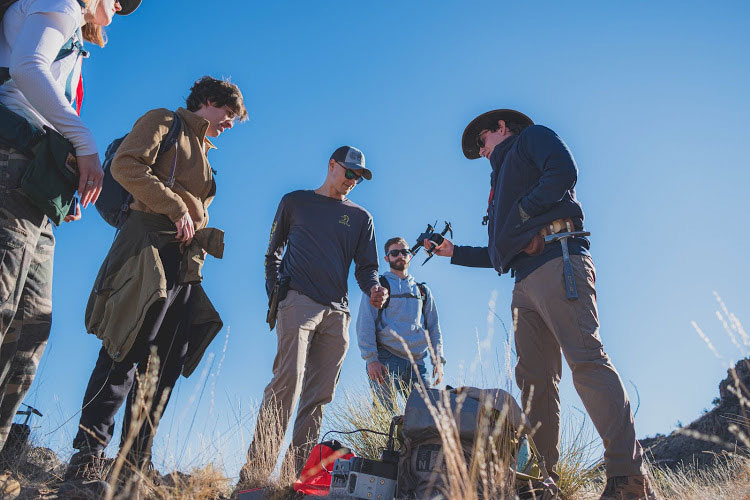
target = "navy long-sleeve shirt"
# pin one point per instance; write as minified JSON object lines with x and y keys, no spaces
{"x":322,"y":236}
{"x":535,"y":172}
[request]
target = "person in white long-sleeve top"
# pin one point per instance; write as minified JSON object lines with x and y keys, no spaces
{"x":41,"y":51}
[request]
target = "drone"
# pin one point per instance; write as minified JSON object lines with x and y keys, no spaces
{"x":436,"y":239}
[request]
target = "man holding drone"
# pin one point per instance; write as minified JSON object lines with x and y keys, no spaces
{"x":535,"y":226}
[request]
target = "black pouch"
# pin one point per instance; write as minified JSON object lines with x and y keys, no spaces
{"x":51,"y":179}
{"x":277,"y":295}
{"x":16,"y":132}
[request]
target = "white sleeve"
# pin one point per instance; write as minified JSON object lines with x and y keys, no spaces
{"x":33,"y":52}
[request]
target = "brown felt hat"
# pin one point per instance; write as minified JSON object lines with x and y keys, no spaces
{"x":485,"y":121}
{"x":128,"y":6}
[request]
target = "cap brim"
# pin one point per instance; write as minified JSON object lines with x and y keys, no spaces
{"x":364,"y":172}
{"x":485,"y":121}
{"x":128,"y":6}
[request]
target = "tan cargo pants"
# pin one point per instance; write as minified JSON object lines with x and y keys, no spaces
{"x":546,"y":322}
{"x":312,"y":343}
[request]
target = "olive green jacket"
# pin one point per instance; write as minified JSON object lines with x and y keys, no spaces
{"x":132,"y":279}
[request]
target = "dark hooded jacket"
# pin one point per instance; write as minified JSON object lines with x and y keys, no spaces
{"x":533,"y":172}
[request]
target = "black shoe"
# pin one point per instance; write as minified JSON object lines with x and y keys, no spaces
{"x":88,"y":465}
{"x":83,"y":489}
{"x":84,"y":476}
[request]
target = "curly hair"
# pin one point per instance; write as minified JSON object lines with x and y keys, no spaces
{"x":219,"y":93}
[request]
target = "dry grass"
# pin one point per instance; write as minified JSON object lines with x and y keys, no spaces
{"x":260,"y":471}
{"x":358,"y":409}
{"x":484,"y":473}
{"x":580,"y":464}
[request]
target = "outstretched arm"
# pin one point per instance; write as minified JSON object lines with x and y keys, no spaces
{"x":461,"y":255}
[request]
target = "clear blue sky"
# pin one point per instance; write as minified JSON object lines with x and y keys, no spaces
{"x":651,"y":99}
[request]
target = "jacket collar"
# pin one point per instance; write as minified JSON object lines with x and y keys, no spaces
{"x":498,"y":154}
{"x":498,"y":157}
{"x":197,"y":124}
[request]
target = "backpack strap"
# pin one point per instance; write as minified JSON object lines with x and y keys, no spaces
{"x":422,"y":298}
{"x":65,"y":51}
{"x":168,"y":142}
{"x":423,"y":290}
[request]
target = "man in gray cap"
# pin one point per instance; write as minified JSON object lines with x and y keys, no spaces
{"x":532,"y":207}
{"x":322,"y":232}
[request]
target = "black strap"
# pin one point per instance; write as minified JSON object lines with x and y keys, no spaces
{"x":170,"y":141}
{"x":423,"y":292}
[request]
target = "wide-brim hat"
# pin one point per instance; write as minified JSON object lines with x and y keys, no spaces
{"x":128,"y":6}
{"x":485,"y":121}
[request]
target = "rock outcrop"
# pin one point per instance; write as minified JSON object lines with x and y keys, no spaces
{"x":677,"y":448}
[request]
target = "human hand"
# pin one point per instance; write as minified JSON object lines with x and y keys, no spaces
{"x":74,"y":216}
{"x":445,"y":249}
{"x":378,"y":296}
{"x":185,"y":229}
{"x":90,"y":176}
{"x":437,"y":373}
{"x":377,"y":371}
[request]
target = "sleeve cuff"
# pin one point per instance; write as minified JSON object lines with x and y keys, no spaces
{"x":370,"y":357}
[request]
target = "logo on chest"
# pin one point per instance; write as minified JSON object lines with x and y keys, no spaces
{"x":344,"y":220}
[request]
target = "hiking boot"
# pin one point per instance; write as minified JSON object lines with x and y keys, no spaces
{"x":628,"y":488}
{"x":137,"y":478}
{"x":9,"y":487}
{"x":84,"y":476}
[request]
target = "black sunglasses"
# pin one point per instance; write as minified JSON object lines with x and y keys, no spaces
{"x":395,"y":252}
{"x":351,"y":174}
{"x":480,"y":140}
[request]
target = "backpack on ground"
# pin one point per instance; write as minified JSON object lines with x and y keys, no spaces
{"x":114,"y":201}
{"x":488,"y":429}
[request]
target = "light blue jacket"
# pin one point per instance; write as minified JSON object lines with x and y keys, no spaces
{"x":403,"y":317}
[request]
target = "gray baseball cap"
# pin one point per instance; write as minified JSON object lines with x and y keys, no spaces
{"x":353,"y":159}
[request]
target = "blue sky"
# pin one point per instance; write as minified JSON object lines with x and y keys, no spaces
{"x":651,"y":99}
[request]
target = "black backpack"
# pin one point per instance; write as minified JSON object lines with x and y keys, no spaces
{"x":422,"y":290}
{"x":114,"y":201}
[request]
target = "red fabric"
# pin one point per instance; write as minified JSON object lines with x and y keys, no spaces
{"x":314,"y":480}
{"x":79,"y":95}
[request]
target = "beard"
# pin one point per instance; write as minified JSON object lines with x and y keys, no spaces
{"x":399,"y":265}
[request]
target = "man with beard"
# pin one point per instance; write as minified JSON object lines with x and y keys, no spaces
{"x":396,"y":339}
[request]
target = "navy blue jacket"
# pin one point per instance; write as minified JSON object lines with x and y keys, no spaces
{"x":536,"y":172}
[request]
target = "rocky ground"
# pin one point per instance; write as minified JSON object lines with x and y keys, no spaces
{"x":678,"y":448}
{"x":40,"y":471}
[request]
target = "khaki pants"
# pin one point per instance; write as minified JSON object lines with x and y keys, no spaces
{"x":546,"y":323}
{"x":312,"y":343}
{"x":27,"y":248}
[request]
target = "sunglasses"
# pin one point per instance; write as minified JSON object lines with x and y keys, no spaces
{"x":396,"y":252}
{"x":480,"y":139}
{"x":351,"y":174}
